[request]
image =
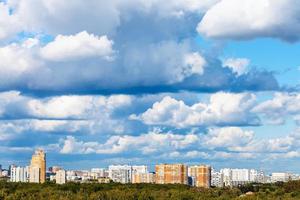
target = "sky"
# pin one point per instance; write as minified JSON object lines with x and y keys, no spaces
{"x":99,"y":82}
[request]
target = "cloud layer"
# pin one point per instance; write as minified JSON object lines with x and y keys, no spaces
{"x":124,"y":80}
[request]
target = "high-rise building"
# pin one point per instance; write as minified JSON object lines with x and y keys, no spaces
{"x":171,"y":173}
{"x":60,"y":177}
{"x":201,"y":175}
{"x":19,"y":174}
{"x":38,"y":167}
{"x":240,"y":175}
{"x":216,"y":178}
{"x":120,"y":173}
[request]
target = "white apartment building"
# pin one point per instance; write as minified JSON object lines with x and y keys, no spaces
{"x":60,"y":176}
{"x":34,"y":175}
{"x":234,"y":177}
{"x":280,"y":177}
{"x":139,"y":169}
{"x":253,"y":175}
{"x":217,"y":178}
{"x":99,"y":172}
{"x":124,"y":173}
{"x":120,"y":173}
{"x":19,"y":174}
{"x":227,"y":176}
{"x":240,"y":175}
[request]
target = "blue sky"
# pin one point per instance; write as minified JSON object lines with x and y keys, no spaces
{"x":144,"y":82}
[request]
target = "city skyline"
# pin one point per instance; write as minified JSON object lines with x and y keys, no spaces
{"x":144,"y":82}
{"x":200,"y":175}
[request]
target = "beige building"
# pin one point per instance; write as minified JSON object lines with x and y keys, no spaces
{"x":104,"y":180}
{"x":143,"y":178}
{"x":201,"y":175}
{"x":38,"y":167}
{"x":171,"y":174}
{"x":34,"y":174}
{"x":60,"y":177}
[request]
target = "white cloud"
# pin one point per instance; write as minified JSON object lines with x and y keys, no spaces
{"x":150,"y":143}
{"x":75,"y":47}
{"x":88,"y":114}
{"x":167,"y":144}
{"x":228,"y":137}
{"x":60,"y":107}
{"x":235,"y":19}
{"x":9,"y":23}
{"x":281,"y":106}
{"x":195,"y":64}
{"x":17,"y":62}
{"x":99,"y":17}
{"x":223,"y":109}
{"x":6,"y":98}
{"x":57,"y":125}
{"x":237,"y":65}
{"x":9,"y":131}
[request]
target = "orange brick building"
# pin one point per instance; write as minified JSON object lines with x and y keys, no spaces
{"x":201,"y":175}
{"x":171,"y":174}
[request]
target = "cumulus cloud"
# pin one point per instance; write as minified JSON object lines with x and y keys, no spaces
{"x":81,"y":45}
{"x":60,"y":107}
{"x":149,"y":143}
{"x":75,"y":114}
{"x":222,"y":109}
{"x":237,"y":65}
{"x":195,"y":64}
{"x":17,"y":62}
{"x":234,"y":19}
{"x":281,"y":106}
{"x":228,"y":137}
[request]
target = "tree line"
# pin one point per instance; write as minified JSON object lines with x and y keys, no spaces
{"x":115,"y":191}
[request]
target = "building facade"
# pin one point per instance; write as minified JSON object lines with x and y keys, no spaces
{"x":143,"y":178}
{"x":216,"y":179}
{"x":201,"y":175}
{"x":171,"y":174}
{"x":34,"y":174}
{"x":60,"y":177}
{"x":120,"y":173}
{"x":19,"y":174}
{"x":38,"y":167}
{"x":280,"y":177}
